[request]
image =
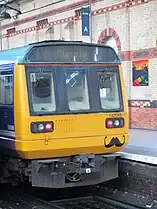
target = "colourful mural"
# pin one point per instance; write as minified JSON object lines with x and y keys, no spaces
{"x":140,"y":73}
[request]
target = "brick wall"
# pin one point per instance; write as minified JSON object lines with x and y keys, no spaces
{"x":143,"y":114}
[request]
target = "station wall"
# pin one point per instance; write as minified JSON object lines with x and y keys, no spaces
{"x":132,"y":24}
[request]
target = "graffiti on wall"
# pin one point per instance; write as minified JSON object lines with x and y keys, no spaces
{"x":140,"y":73}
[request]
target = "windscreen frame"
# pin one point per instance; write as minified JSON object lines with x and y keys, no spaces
{"x":95,"y":106}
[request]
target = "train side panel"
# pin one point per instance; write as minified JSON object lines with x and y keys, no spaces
{"x":7,"y":129}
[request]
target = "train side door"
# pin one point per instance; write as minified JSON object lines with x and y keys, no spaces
{"x":6,"y":103}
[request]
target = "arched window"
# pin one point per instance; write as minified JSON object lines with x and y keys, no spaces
{"x":112,"y":43}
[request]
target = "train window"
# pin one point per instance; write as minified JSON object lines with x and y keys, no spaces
{"x":6,"y":89}
{"x":42,"y":90}
{"x":77,"y":90}
{"x":109,"y":93}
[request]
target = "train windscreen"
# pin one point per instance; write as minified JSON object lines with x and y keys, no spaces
{"x":77,"y":89}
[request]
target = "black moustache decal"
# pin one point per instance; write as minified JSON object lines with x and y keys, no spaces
{"x":114,"y":142}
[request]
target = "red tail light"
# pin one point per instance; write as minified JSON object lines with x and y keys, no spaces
{"x":109,"y":123}
{"x":48,"y":126}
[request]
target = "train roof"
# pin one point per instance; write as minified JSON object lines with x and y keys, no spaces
{"x":18,"y":55}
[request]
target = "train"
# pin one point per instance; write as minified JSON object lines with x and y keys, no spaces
{"x":64,"y":114}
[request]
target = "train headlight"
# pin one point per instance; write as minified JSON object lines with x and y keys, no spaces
{"x":114,"y":122}
{"x":42,"y":127}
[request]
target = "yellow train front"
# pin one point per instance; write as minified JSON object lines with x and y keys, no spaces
{"x":64,"y":113}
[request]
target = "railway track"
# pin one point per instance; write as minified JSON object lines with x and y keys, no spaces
{"x":20,"y":199}
{"x":94,"y":202}
{"x":90,"y":202}
{"x":24,"y":201}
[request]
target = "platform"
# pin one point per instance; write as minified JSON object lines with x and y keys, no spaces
{"x":142,"y":146}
